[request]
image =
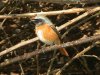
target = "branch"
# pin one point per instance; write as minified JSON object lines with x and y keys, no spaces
{"x":69,"y":11}
{"x":75,"y":57}
{"x":59,"y":28}
{"x":50,"y":48}
{"x":23,"y":43}
{"x":93,"y":56}
{"x":79,"y":18}
{"x":69,"y":1}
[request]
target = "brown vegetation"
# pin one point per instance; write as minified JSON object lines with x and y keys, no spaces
{"x":21,"y":53}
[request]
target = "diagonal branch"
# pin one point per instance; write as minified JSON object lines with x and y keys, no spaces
{"x":75,"y":57}
{"x":79,"y":18}
{"x":60,"y":28}
{"x":50,"y":48}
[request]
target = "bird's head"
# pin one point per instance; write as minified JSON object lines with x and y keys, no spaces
{"x":40,"y":20}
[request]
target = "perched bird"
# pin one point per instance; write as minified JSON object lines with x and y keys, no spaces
{"x":47,"y":32}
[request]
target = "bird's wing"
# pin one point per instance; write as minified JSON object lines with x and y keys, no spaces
{"x":54,"y":28}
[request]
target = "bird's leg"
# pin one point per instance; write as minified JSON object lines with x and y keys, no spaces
{"x":44,"y":47}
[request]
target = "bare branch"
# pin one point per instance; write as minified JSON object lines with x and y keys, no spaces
{"x":70,"y":1}
{"x":98,"y":58}
{"x":69,"y":11}
{"x":50,"y":48}
{"x":60,"y":28}
{"x":75,"y":57}
{"x":23,"y":43}
{"x":79,"y":18}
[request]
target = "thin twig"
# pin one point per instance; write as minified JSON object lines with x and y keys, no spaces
{"x":1,"y":26}
{"x":23,"y":43}
{"x":93,"y":56}
{"x":75,"y":57}
{"x":79,"y":18}
{"x":4,"y":40}
{"x":83,"y":62}
{"x":51,"y":64}
{"x":37,"y":58}
{"x":80,"y":23}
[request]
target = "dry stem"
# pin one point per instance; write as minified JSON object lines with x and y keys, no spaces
{"x":50,"y":48}
{"x":60,"y":28}
{"x":69,"y":11}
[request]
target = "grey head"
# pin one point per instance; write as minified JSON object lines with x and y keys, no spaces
{"x":39,"y":20}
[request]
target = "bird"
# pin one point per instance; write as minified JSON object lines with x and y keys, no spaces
{"x":47,"y":32}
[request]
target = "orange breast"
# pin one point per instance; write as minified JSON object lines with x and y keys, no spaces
{"x":49,"y":34}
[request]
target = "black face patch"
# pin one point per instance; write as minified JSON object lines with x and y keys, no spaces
{"x":38,"y":21}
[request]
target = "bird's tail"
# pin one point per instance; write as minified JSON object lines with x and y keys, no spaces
{"x":63,"y":51}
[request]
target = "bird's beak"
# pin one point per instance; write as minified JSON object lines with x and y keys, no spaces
{"x":34,"y":21}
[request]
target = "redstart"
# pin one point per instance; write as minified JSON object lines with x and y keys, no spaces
{"x":47,"y":32}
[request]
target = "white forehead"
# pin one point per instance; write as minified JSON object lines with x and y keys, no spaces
{"x":45,"y":19}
